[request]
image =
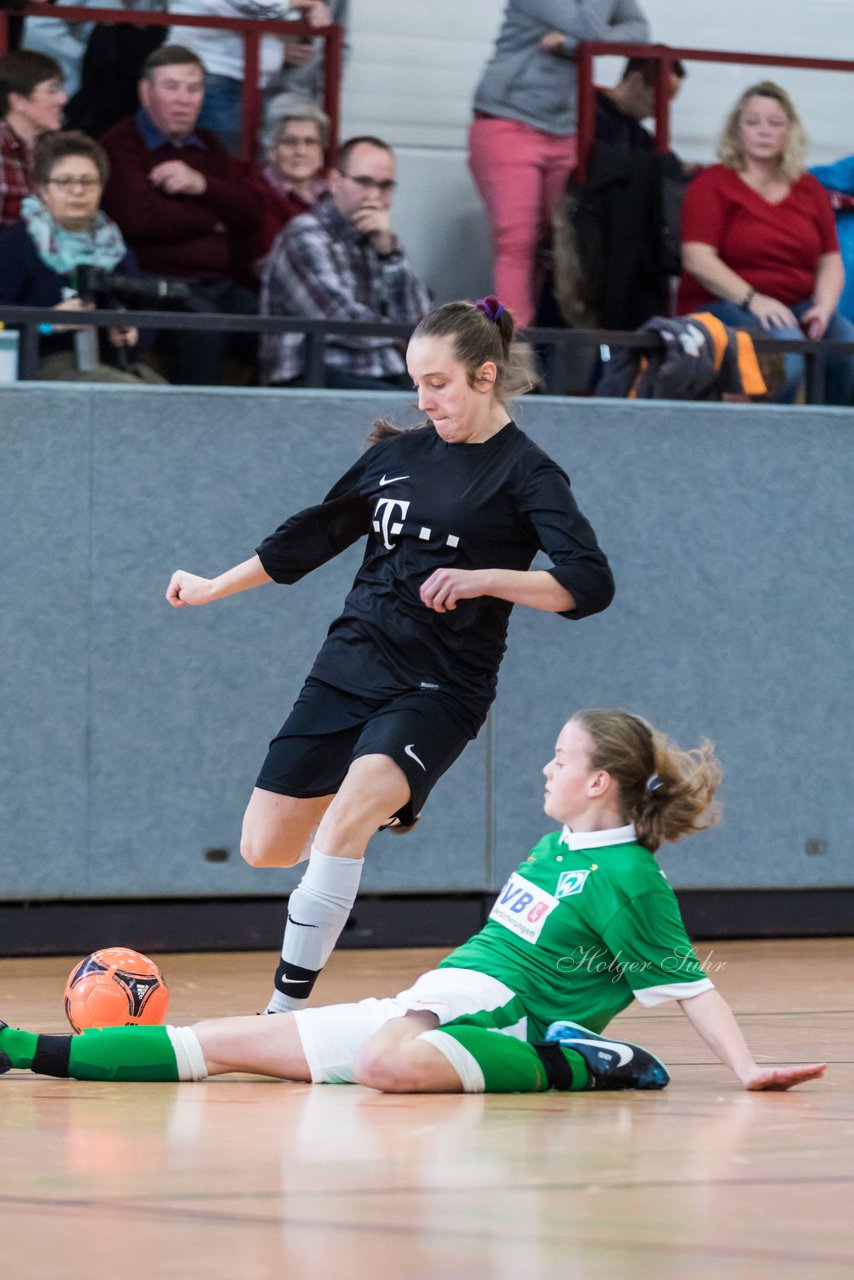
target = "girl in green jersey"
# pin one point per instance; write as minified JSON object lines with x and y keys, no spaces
{"x":583,"y":926}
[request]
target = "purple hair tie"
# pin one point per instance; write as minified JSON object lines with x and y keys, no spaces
{"x":491,"y":308}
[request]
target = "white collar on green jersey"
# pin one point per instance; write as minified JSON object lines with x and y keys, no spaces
{"x":598,"y":839}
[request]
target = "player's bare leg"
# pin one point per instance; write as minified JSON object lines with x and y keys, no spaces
{"x":278,"y":830}
{"x":266,"y":1046}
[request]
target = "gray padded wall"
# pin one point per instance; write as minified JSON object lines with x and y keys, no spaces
{"x":133,"y":732}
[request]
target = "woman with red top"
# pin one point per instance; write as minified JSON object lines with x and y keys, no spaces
{"x":759,"y":244}
{"x":290,"y":182}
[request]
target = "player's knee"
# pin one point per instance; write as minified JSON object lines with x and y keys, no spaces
{"x":389,"y":1068}
{"x":260,"y":851}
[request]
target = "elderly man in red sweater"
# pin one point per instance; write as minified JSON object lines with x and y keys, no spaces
{"x":182,"y":202}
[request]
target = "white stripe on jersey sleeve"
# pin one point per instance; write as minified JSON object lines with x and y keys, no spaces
{"x":649,"y":997}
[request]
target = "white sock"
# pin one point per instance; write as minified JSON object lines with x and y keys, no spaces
{"x":317,"y":912}
{"x":188,"y":1053}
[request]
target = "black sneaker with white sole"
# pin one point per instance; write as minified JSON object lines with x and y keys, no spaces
{"x":613,"y":1064}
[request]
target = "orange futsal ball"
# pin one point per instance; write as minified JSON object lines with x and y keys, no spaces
{"x":115,"y":987}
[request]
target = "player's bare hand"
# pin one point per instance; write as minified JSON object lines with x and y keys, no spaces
{"x":445,"y":587}
{"x":188,"y":588}
{"x":777,"y":1078}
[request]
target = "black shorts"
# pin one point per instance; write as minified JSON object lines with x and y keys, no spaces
{"x":423,"y":732}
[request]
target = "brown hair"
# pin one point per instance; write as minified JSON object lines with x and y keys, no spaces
{"x":730,"y":148}
{"x":363,"y":139}
{"x":56,"y":146}
{"x":169,"y":55}
{"x":22,"y":71}
{"x":648,"y":68}
{"x":476,"y":338}
{"x":666,"y":792}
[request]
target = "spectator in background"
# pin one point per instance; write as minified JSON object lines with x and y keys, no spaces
{"x":100,"y":62}
{"x":616,"y":236}
{"x":61,"y":230}
{"x":301,"y":71}
{"x":65,"y":42}
{"x":522,"y":141}
{"x":620,"y":110}
{"x":182,"y":201}
{"x":222,"y":54}
{"x":343,"y":261}
{"x":760,"y":249}
{"x":290,"y":183}
{"x":31,"y":100}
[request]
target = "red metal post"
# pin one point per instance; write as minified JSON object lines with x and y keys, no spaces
{"x":586,"y":106}
{"x":251,"y":94}
{"x":332,"y":58}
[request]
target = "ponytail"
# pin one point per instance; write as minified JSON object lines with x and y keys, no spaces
{"x":666,"y":792}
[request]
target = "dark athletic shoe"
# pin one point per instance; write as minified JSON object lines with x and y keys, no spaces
{"x":5,"y":1060}
{"x":613,"y":1064}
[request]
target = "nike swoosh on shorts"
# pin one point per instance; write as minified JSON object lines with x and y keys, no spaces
{"x":408,"y":751}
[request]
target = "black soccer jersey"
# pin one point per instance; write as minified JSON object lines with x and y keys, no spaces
{"x":426,"y":504}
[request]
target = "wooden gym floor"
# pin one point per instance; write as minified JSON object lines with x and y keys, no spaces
{"x":260,"y":1180}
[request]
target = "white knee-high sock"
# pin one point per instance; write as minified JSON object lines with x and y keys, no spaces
{"x":317,"y":912}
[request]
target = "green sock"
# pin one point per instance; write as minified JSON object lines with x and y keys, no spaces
{"x":123,"y":1053}
{"x":506,"y":1064}
{"x":116,"y":1053}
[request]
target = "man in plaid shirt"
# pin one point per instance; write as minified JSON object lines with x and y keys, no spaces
{"x":343,"y":261}
{"x":31,"y":101}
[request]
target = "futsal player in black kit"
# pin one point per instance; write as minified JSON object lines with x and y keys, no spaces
{"x":454,"y":513}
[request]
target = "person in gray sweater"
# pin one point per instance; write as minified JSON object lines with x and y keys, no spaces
{"x":522,"y":140}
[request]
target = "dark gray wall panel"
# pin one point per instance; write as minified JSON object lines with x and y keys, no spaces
{"x":731,"y":537}
{"x":134,"y":731}
{"x":44,"y":640}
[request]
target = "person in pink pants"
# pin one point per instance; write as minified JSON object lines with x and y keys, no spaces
{"x":522,"y":145}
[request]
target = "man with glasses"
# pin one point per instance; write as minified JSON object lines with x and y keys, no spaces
{"x":32,"y":96}
{"x":343,"y":261}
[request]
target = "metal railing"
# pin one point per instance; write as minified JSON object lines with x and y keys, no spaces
{"x":665,"y":56}
{"x":555,"y":346}
{"x":252,"y":30}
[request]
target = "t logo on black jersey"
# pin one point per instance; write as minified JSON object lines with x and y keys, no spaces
{"x":384,"y":521}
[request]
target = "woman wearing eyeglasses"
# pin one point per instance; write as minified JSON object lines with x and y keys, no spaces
{"x":62,"y":229}
{"x":291,"y":181}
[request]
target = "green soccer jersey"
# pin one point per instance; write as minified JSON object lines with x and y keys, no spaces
{"x":584,"y":925}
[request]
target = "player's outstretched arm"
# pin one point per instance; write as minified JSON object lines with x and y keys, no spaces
{"x":714,"y":1021}
{"x":188,"y":588}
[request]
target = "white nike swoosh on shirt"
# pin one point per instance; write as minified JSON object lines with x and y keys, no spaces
{"x":391,"y":479}
{"x":408,"y":751}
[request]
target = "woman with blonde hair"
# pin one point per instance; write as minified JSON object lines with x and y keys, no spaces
{"x":759,"y":243}
{"x":584,"y":925}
